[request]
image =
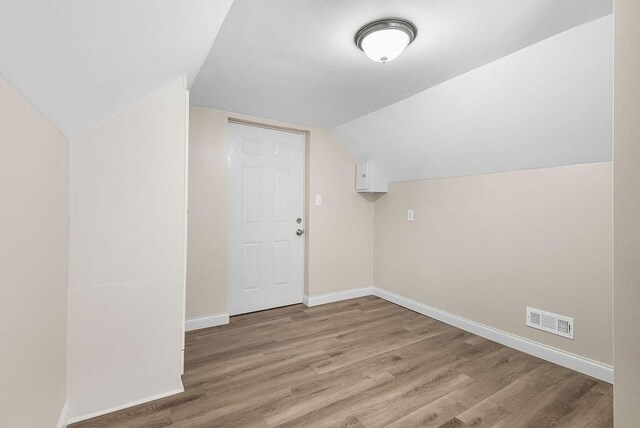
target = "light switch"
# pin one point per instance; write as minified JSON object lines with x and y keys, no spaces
{"x":410,"y":215}
{"x":318,"y":200}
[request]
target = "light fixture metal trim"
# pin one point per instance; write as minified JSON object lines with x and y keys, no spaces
{"x":386,"y":24}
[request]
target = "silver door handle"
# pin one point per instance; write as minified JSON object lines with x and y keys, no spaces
{"x":299,"y":232}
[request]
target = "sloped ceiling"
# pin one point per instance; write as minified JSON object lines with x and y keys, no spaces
{"x":79,"y":61}
{"x":295,"y":60}
{"x":549,"y":104}
{"x":440,"y":109}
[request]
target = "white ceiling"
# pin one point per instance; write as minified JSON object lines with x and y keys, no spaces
{"x":79,"y":61}
{"x":549,"y":104}
{"x":295,"y":60}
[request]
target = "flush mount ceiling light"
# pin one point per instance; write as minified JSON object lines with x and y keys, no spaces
{"x":384,"y":40}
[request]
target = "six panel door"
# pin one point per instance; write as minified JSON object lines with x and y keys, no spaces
{"x":266,"y":215}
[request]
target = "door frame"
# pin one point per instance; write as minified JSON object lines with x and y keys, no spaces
{"x":305,"y":191}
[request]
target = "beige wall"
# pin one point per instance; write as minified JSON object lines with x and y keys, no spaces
{"x":627,"y":213}
{"x":339,"y":233}
{"x":34,"y":219}
{"x":127,"y":253}
{"x":207,"y":235}
{"x":484,"y":247}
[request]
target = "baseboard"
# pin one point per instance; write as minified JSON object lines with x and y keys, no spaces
{"x":322,"y":299}
{"x":571,"y":361}
{"x":126,"y":406}
{"x":62,"y":420}
{"x":206,"y":321}
{"x":566,"y":359}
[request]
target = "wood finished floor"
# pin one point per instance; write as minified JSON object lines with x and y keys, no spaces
{"x":364,"y":363}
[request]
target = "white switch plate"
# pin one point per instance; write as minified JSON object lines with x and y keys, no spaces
{"x":410,"y":215}
{"x":318,"y":200}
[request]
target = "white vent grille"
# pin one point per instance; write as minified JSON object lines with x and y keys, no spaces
{"x":550,"y":322}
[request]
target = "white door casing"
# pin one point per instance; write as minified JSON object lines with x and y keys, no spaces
{"x":266,"y":199}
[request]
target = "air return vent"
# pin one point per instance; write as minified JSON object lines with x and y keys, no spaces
{"x":549,"y":322}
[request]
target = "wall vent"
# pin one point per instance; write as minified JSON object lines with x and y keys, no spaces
{"x":550,"y":322}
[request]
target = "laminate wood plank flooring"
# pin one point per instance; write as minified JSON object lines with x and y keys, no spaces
{"x":364,"y":363}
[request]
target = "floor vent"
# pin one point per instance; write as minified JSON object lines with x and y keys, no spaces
{"x":549,"y":322}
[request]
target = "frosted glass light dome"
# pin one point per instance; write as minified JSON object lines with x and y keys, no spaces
{"x":385,"y":45}
{"x":384,"y":40}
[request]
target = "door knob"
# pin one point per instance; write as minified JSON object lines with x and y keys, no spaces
{"x":299,"y":232}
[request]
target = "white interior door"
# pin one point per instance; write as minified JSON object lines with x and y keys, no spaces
{"x":266,"y":218}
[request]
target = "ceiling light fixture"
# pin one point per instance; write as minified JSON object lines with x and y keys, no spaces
{"x":384,"y":40}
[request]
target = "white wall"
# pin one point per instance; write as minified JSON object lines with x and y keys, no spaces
{"x":548,"y":104}
{"x":126,"y":269}
{"x":627,"y":214}
{"x":34,"y":230}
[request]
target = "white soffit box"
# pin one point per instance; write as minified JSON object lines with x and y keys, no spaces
{"x":369,"y":179}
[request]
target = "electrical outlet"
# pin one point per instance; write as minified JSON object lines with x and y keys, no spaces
{"x":318,"y":200}
{"x":410,"y":215}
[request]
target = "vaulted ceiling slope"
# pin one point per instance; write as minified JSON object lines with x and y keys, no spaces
{"x":79,"y":61}
{"x":295,"y":60}
{"x":549,"y":104}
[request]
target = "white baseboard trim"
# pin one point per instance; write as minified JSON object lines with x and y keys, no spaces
{"x":571,"y":361}
{"x":206,"y":321}
{"x":566,"y":359}
{"x":322,"y":299}
{"x":62,"y":420}
{"x":126,"y":406}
